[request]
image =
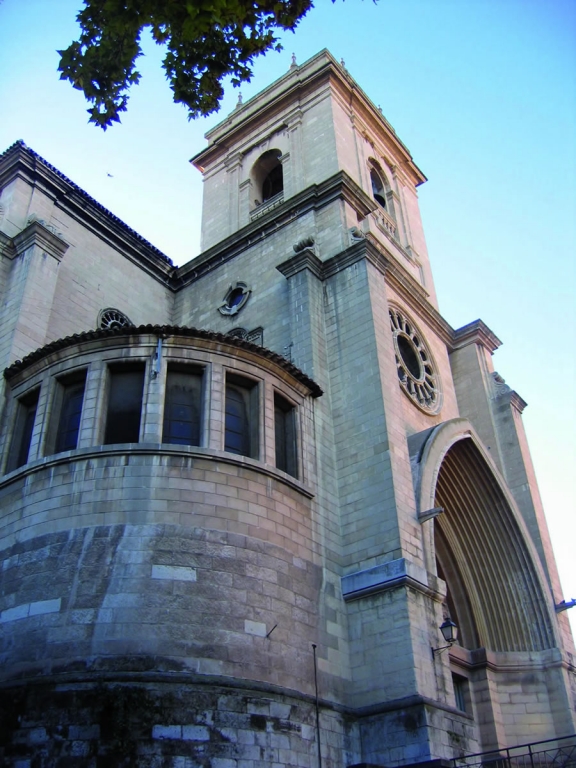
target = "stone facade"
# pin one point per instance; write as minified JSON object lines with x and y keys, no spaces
{"x":178,"y":590}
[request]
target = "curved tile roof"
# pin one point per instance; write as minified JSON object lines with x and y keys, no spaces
{"x":20,"y":145}
{"x":163,"y":330}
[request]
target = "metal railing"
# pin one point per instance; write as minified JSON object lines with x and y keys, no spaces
{"x":552,"y":753}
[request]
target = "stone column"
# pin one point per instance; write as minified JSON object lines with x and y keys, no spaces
{"x":233,"y":166}
{"x":36,"y":253}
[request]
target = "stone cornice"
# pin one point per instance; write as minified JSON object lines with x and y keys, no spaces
{"x":412,"y":293}
{"x":294,"y":87}
{"x":6,"y":246}
{"x":391,"y":575}
{"x":38,"y":234}
{"x":19,"y":161}
{"x":508,"y":661}
{"x":404,"y":285}
{"x":306,"y":259}
{"x":476,"y":332}
{"x":109,"y":452}
{"x":517,"y":402}
{"x":337,"y":187}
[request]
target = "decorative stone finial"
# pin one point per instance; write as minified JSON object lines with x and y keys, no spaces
{"x":239,"y":102}
{"x":342,"y":63}
{"x":293,"y":65}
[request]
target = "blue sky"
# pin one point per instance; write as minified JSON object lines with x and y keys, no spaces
{"x":483,"y":93}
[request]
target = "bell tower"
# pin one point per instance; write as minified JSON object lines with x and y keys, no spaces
{"x":299,"y":132}
{"x":247,"y":504}
{"x":416,"y":446}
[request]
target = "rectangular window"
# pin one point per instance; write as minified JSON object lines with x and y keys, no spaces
{"x":461,"y":692}
{"x":124,"y":404}
{"x":241,"y":418}
{"x":183,"y":406}
{"x":68,"y":411}
{"x":23,"y":427}
{"x":285,"y":436}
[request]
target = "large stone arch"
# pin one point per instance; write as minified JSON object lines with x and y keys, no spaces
{"x":484,"y":552}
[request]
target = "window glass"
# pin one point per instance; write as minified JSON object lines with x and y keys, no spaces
{"x":460,"y":691}
{"x":124,"y":405}
{"x":285,"y":436}
{"x":241,"y":417}
{"x":72,"y":398}
{"x":23,"y":428}
{"x":182,"y":407}
{"x":237,"y":425}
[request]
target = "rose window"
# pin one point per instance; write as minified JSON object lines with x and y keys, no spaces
{"x":416,"y":369}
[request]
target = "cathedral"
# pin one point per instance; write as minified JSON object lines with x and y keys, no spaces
{"x":266,"y":509}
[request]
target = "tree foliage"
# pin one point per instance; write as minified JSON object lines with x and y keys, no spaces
{"x":206,"y":41}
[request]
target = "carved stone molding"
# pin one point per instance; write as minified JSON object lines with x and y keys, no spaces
{"x":37,"y":233}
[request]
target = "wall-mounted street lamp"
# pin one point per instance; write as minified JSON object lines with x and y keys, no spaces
{"x":449,"y":633}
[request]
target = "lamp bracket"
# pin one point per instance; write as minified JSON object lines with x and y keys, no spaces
{"x":440,"y":649}
{"x":429,"y":514}
{"x":564,"y":605}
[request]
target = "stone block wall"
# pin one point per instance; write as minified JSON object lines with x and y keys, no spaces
{"x":163,"y":723}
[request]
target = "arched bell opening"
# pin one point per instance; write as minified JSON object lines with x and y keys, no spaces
{"x":493,"y":586}
{"x":267,"y":177}
{"x":381,"y":190}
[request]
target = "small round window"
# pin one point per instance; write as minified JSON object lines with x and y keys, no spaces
{"x":236,"y":297}
{"x":416,"y":370}
{"x":112,"y":318}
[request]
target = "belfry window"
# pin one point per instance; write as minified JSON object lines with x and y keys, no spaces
{"x":124,"y":404}
{"x":182,"y":406}
{"x":23,"y":427}
{"x":241,"y":416}
{"x":285,"y":436}
{"x":273,"y":183}
{"x":378,"y":192}
{"x":267,"y":177}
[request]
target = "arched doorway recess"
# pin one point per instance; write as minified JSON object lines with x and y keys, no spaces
{"x":482,"y":546}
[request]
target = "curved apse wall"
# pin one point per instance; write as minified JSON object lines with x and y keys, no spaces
{"x":155,"y":554}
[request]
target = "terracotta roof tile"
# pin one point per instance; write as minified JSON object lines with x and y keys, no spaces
{"x":162,"y":330}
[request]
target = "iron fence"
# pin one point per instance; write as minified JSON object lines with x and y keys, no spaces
{"x":552,"y":753}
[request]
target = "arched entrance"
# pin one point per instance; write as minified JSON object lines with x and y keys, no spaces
{"x":510,"y":650}
{"x":492,"y":581}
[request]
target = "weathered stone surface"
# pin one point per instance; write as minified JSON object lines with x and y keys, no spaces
{"x":165,"y":604}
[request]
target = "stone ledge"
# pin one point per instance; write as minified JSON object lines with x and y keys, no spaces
{"x":391,"y":575}
{"x":155,"y":449}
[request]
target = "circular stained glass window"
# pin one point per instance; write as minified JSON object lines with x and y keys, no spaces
{"x":416,"y":369}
